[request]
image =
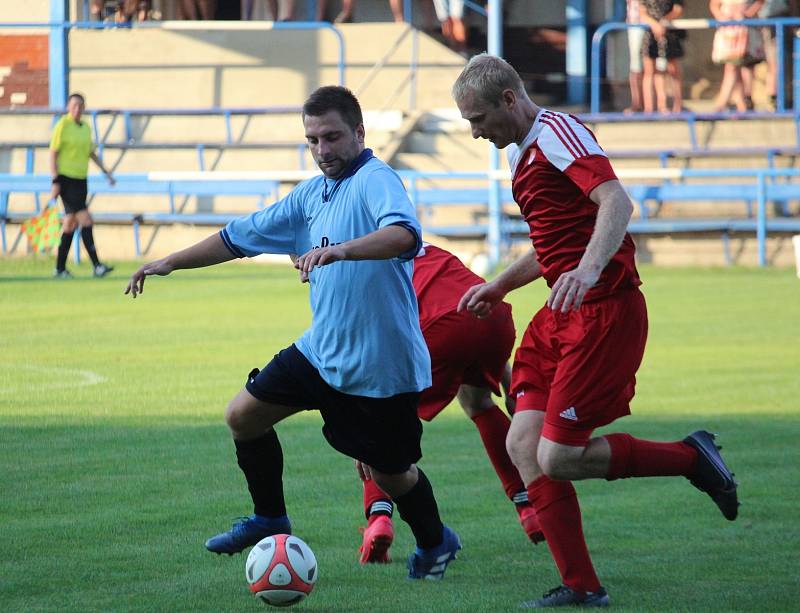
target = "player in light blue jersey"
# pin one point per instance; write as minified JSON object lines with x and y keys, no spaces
{"x":363,"y":362}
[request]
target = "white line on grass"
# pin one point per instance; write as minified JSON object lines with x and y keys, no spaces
{"x":65,"y":377}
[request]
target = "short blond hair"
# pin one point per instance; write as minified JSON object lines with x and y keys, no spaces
{"x":487,"y":76}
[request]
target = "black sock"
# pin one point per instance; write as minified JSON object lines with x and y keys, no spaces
{"x":261,"y":461}
{"x":418,"y":509}
{"x":88,"y":242}
{"x":63,"y":251}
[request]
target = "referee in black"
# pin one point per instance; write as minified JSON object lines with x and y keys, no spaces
{"x":71,"y":148}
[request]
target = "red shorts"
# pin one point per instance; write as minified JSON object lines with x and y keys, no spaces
{"x":466,"y":350}
{"x":580,"y":367}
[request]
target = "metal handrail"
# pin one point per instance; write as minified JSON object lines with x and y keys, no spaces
{"x":382,"y":62}
{"x":779,"y":24}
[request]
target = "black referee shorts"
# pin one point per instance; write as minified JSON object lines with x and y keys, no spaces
{"x":384,"y":433}
{"x":73,"y":193}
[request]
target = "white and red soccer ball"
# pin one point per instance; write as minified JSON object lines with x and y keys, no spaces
{"x":281,"y":570}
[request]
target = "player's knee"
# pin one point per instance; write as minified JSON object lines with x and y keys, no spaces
{"x":520,"y":448}
{"x":474,"y":400}
{"x":238,"y":417}
{"x":556,"y":466}
{"x":396,"y":484}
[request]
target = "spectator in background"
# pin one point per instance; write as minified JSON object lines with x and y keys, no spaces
{"x":663,"y":49}
{"x":346,"y":14}
{"x":738,"y":49}
{"x":197,"y":9}
{"x":769,"y":10}
{"x":451,"y":17}
{"x":120,"y":11}
{"x":635,"y":38}
{"x":133,"y":10}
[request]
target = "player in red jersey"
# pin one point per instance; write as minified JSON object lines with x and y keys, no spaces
{"x":575,"y":368}
{"x":469,"y":361}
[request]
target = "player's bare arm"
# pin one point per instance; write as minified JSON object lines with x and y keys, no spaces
{"x":207,"y":252}
{"x":383,"y":244}
{"x":613,"y":215}
{"x":55,"y":190}
{"x":479,"y":299}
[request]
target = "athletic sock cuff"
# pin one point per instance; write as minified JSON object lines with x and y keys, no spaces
{"x":621,"y":445}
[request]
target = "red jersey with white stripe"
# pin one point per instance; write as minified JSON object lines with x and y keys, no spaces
{"x":553,"y":172}
{"x":440,"y":280}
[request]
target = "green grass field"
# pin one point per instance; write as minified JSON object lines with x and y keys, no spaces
{"x":116,"y":465}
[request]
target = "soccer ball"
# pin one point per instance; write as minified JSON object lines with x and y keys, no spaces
{"x":281,"y":570}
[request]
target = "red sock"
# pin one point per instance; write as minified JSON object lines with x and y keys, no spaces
{"x":372,"y":495}
{"x":634,"y":457}
{"x":560,"y":517}
{"x":493,"y":427}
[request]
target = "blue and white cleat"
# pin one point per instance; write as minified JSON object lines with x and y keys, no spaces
{"x":246,"y":532}
{"x":431,"y":563}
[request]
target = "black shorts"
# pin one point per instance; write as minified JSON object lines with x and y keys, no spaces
{"x":384,"y":433}
{"x":673,"y":48}
{"x":73,"y":193}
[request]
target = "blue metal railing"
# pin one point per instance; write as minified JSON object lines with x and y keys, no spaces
{"x":780,"y":24}
{"x":762,"y":189}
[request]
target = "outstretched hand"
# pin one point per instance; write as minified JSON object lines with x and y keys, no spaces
{"x":480,"y":299}
{"x":136,"y":284}
{"x":318,"y":257}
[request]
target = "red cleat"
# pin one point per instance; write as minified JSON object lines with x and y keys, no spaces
{"x":378,"y":537}
{"x":530,"y":523}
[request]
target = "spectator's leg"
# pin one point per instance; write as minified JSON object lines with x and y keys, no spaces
{"x":771,"y":52}
{"x":459,"y":35}
{"x":635,"y":38}
{"x":660,"y":86}
{"x":207,"y":9}
{"x":346,"y":14}
{"x":397,"y":10}
{"x":96,"y":10}
{"x":676,"y":74}
{"x":648,"y":98}
{"x":285,"y":10}
{"x":187,"y":10}
{"x":247,"y":10}
{"x":729,"y":80}
{"x":747,"y":86}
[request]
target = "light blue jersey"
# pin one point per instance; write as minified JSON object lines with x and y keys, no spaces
{"x":364,"y":337}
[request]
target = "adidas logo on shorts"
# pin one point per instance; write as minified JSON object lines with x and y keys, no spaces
{"x":569,"y":414}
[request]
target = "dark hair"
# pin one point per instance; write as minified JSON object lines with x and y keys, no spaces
{"x":78,"y":96}
{"x":334,"y":98}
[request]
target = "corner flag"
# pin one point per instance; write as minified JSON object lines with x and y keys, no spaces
{"x":43,"y":230}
